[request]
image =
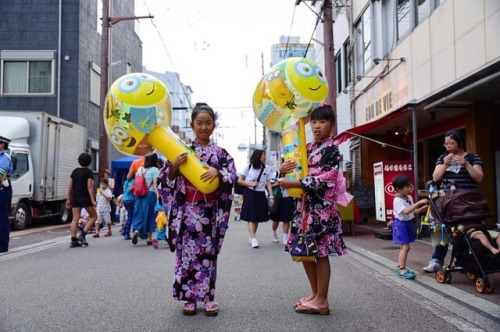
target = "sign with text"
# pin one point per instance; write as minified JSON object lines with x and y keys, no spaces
{"x":380,"y":106}
{"x":384,"y":172}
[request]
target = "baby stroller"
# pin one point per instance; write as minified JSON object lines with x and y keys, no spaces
{"x":455,"y":213}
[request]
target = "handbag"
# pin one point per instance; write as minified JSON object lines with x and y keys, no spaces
{"x":277,"y":196}
{"x":304,"y":248}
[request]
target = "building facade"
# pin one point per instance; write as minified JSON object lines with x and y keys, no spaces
{"x":413,"y":71}
{"x":50,"y":54}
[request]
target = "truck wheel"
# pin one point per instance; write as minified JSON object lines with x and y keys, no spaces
{"x":22,"y":217}
{"x":65,"y":214}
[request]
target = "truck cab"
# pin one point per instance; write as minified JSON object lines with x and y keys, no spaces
{"x":44,"y":150}
{"x":22,"y":179}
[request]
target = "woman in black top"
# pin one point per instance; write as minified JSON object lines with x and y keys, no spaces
{"x":81,"y":195}
{"x":466,"y":171}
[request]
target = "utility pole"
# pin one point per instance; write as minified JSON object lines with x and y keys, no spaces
{"x":107,"y":23}
{"x":330,"y":58}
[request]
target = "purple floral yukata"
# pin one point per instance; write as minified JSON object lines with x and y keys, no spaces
{"x":320,"y":200}
{"x":196,"y":229}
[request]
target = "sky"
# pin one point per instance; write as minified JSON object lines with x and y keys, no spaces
{"x":216,"y":47}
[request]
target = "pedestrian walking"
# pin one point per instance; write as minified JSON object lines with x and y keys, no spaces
{"x":403,"y":229}
{"x":319,"y":207}
{"x":111,"y":185}
{"x":198,"y":222}
{"x":6,"y":169}
{"x":143,"y":222}
{"x":256,"y":178}
{"x":281,"y":211}
{"x":81,"y":195}
{"x":128,"y":202}
{"x":103,"y":199}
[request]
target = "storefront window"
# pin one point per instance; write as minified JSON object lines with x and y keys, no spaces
{"x":403,"y":17}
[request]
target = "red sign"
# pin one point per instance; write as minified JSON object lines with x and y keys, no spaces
{"x":384,"y":172}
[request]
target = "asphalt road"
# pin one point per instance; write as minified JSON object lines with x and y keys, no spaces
{"x":115,"y":286}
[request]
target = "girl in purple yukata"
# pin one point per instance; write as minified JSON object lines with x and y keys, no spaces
{"x":320,"y":208}
{"x":197,"y":223}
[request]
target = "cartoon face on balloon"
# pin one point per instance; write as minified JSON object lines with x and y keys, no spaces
{"x":306,"y":79}
{"x":136,"y":104}
{"x":307,"y":82}
{"x":291,"y":88}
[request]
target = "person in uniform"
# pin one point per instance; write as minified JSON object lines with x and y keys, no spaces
{"x":6,"y":169}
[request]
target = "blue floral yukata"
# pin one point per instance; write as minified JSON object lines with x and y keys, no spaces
{"x":197,"y":226}
{"x":320,"y":200}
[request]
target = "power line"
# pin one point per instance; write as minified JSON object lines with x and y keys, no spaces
{"x":168,"y":54}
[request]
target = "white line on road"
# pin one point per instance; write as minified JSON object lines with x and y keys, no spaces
{"x":32,"y":248}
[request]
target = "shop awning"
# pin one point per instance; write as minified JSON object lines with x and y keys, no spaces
{"x":367,"y":127}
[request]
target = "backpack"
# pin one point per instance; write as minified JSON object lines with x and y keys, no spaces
{"x":461,"y":205}
{"x":140,"y":187}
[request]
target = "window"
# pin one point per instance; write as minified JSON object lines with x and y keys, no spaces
{"x":27,"y":72}
{"x":403,"y":17}
{"x":95,"y":84}
{"x":99,"y":15}
{"x":21,"y":165}
{"x":347,"y":64}
{"x":363,"y":43}
{"x":95,"y":160}
{"x":423,"y":9}
{"x":388,"y":25}
{"x":338,"y":72}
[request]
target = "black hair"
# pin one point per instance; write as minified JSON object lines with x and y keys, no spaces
{"x":85,"y":159}
{"x":401,"y":181}
{"x":151,"y":160}
{"x":104,"y":180}
{"x":323,"y":112}
{"x":255,"y":158}
{"x":202,"y":107}
{"x":456,"y":136}
{"x":160,"y":163}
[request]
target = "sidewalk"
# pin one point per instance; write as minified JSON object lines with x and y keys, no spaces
{"x":419,"y":256}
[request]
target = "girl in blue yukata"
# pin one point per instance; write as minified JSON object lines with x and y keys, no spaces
{"x":197,"y":223}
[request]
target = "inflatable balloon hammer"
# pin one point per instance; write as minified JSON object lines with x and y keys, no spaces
{"x":295,"y":150}
{"x":137,"y":113}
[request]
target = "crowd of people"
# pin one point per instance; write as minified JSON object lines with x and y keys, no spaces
{"x":193,"y":224}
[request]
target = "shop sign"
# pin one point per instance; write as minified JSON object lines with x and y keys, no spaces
{"x":380,"y":106}
{"x":384,"y":172}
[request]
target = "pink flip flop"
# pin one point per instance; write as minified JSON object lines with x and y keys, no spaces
{"x":309,"y":309}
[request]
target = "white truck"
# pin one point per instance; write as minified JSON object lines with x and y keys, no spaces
{"x":44,"y":151}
